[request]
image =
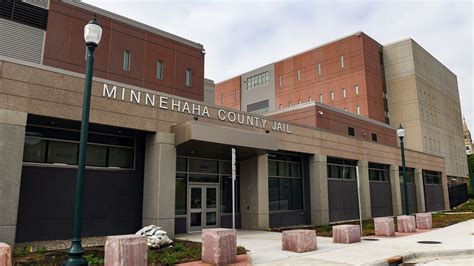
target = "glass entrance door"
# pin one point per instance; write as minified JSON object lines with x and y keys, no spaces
{"x":203,"y":203}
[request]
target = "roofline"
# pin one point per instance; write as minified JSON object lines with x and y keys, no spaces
{"x":300,"y":53}
{"x":131,"y":22}
{"x":331,"y":108}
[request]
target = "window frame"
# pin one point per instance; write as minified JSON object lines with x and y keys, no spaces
{"x":188,"y":79}
{"x":127,"y":60}
{"x":159,"y":69}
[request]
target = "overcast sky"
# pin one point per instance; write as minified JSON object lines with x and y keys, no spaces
{"x":241,"y":35}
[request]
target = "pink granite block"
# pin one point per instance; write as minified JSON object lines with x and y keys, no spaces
{"x":219,"y":246}
{"x":346,"y":233}
{"x":406,"y":224}
{"x":384,"y":226}
{"x":299,"y":240}
{"x":5,"y":255}
{"x":424,"y":221}
{"x":126,"y":250}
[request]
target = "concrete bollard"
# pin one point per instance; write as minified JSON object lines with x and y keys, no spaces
{"x":424,"y":221}
{"x":219,"y":246}
{"x":5,"y":255}
{"x":126,"y":250}
{"x":299,"y":240}
{"x":406,"y":224}
{"x":384,"y":226}
{"x":346,"y":233}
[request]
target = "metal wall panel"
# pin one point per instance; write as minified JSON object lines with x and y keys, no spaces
{"x":434,"y":197}
{"x":39,"y":3}
{"x":21,"y":42}
{"x":412,"y":203}
{"x":343,"y":200}
{"x":381,"y":199}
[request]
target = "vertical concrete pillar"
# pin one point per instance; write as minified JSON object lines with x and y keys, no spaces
{"x":12,"y":140}
{"x":396,"y":193}
{"x":420,"y":190}
{"x":366,"y":206}
{"x":254,"y":193}
{"x":318,"y":187}
{"x":444,"y":182}
{"x":159,"y":184}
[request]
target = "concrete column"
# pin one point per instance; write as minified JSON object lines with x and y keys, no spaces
{"x":366,"y":206}
{"x":444,"y":182}
{"x":318,"y":186}
{"x":396,"y":193}
{"x":254,"y":193}
{"x":420,"y":190}
{"x":12,"y":140}
{"x":159,"y":184}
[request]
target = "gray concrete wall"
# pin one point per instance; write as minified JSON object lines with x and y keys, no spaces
{"x":254,"y":193}
{"x":209,"y":90}
{"x":159,"y":184}
{"x":12,"y":139}
{"x":318,"y":182}
{"x":395,"y":190}
{"x":366,"y":208}
{"x":255,"y":95}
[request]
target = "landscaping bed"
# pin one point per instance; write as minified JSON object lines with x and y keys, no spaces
{"x":459,"y":214}
{"x":181,"y":251}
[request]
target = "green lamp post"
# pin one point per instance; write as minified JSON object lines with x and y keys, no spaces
{"x":401,"y":135}
{"x":92,"y":35}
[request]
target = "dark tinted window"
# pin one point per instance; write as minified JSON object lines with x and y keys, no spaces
{"x":350,"y":131}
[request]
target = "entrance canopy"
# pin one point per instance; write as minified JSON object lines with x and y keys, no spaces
{"x":213,"y":141}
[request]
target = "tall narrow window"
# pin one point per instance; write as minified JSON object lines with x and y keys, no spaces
{"x":222,"y":98}
{"x":358,"y":110}
{"x":281,"y":106}
{"x":298,"y":74}
{"x":159,"y":69}
{"x":289,"y":104}
{"x":344,"y":93}
{"x":342,"y":61}
{"x":318,"y":67}
{"x":279,"y":81}
{"x":332,"y":95}
{"x":127,"y":55}
{"x":356,"y":87}
{"x":235,"y":95}
{"x":188,"y":77}
{"x":320,"y":98}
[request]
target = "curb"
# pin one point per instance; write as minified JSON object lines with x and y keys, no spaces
{"x":421,"y":254}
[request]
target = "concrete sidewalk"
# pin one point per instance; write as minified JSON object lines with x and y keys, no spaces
{"x":265,"y":247}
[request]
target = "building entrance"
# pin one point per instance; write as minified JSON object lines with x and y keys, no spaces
{"x":203,"y":203}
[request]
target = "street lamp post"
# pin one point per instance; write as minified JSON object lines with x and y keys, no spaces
{"x":92,"y":35}
{"x":401,"y":135}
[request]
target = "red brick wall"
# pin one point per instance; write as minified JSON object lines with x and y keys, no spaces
{"x":361,"y":67}
{"x":65,"y":48}
{"x":231,"y":91}
{"x":338,"y":123}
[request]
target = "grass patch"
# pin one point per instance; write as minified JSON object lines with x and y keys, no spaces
{"x":181,"y":251}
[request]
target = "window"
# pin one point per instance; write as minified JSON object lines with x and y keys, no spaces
{"x":257,"y":81}
{"x":332,"y":95}
{"x":188,"y":77}
{"x":279,"y":80}
{"x":222,"y":98}
{"x":432,"y":177}
{"x":285,"y":182}
{"x":318,"y":67}
{"x":379,"y":172}
{"x":258,"y":107}
{"x":342,"y":61}
{"x":320,"y":98}
{"x":310,"y":99}
{"x":344,"y":93}
{"x":289,"y":104}
{"x":374,"y":137}
{"x":409,"y":172}
{"x":299,"y":101}
{"x":281,"y":106}
{"x":358,"y":110}
{"x":356,"y":88}
{"x":58,"y":146}
{"x":341,"y":168}
{"x":298,"y":74}
{"x":235,"y":95}
{"x":350,"y":131}
{"x":127,"y":55}
{"x":159,"y":69}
